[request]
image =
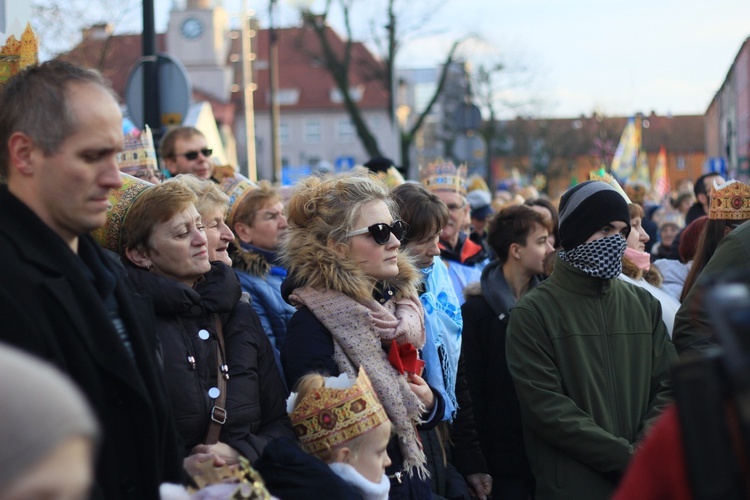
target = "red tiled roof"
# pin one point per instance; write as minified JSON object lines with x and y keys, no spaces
{"x":301,"y":67}
{"x":113,"y":56}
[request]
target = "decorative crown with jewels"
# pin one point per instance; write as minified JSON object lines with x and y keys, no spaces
{"x":444,"y":176}
{"x":138,"y":153}
{"x":328,"y":416}
{"x":730,"y":201}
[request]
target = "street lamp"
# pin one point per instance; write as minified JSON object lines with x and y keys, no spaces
{"x":273,"y":83}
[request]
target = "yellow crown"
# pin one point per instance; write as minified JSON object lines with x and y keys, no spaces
{"x":730,"y":201}
{"x":138,"y":153}
{"x":120,"y":201}
{"x":327,"y":417}
{"x":444,"y":176}
{"x":234,"y":185}
{"x":603,"y":176}
{"x":16,"y":54}
{"x":392,"y":177}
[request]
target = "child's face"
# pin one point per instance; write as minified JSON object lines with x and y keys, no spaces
{"x":372,"y":458}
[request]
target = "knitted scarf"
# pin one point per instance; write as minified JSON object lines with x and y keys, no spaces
{"x":358,"y":327}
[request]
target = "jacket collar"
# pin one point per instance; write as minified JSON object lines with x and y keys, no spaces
{"x":569,"y":278}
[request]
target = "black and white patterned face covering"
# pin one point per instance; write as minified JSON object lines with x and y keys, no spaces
{"x":600,"y":258}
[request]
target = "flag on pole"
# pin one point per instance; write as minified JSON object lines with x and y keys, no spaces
{"x":626,"y":155}
{"x":660,"y":180}
{"x":642,"y":174}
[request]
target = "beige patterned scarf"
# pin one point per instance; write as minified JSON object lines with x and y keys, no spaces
{"x":358,"y":327}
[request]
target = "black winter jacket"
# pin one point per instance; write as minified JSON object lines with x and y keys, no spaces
{"x":309,"y":348}
{"x":256,"y":395}
{"x":496,"y":408}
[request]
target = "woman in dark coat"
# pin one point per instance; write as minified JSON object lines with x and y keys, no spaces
{"x":175,"y":254}
{"x":357,"y":303}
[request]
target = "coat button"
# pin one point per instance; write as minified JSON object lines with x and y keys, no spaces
{"x":203,"y":334}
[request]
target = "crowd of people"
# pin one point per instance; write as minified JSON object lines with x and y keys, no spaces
{"x":187,"y":333}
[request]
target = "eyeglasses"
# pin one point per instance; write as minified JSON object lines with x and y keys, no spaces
{"x":192,"y":155}
{"x":453,"y":207}
{"x":381,"y":232}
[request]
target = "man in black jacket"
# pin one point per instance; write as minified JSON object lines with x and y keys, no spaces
{"x":61,"y":297}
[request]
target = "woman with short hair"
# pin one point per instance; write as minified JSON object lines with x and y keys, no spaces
{"x":219,"y":368}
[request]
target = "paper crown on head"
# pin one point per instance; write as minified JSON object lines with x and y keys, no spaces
{"x":603,"y":176}
{"x":392,"y":177}
{"x":17,"y":54}
{"x":138,"y":153}
{"x":730,"y":201}
{"x":476,"y":182}
{"x":328,"y":416}
{"x":234,"y":185}
{"x":444,"y":176}
{"x":120,"y":201}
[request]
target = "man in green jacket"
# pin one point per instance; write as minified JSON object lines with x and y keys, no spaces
{"x":589,"y":354}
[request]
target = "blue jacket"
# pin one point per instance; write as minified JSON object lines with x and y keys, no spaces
{"x":262,"y":278}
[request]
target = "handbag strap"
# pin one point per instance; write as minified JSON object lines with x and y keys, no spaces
{"x":218,"y":411}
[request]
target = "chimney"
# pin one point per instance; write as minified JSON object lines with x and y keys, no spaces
{"x":100,"y":31}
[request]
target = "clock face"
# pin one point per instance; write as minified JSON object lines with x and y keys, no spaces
{"x":192,"y":28}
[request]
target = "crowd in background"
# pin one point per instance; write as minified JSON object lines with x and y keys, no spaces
{"x":358,"y":336}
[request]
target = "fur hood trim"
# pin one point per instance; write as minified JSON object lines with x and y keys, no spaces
{"x":253,"y":263}
{"x":315,"y":265}
{"x":652,"y":276}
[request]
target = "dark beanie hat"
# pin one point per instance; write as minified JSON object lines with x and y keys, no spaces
{"x":588,"y":207}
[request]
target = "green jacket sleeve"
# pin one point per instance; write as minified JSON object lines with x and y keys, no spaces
{"x":545,"y":408}
{"x":692,"y":330}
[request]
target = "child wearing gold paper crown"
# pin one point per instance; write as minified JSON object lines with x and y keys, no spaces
{"x":342,"y":422}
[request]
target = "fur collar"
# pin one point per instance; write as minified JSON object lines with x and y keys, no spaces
{"x":368,"y":489}
{"x":315,"y":265}
{"x":253,"y":263}
{"x":652,"y":276}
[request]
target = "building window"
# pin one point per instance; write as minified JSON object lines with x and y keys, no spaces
{"x":680,"y":163}
{"x":285,"y":133}
{"x":313,"y":132}
{"x":356,"y":93}
{"x":345,"y":131}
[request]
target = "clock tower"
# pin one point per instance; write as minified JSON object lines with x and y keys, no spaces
{"x":198,"y":36}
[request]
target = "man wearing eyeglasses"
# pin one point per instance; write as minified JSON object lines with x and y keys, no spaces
{"x":185,"y":151}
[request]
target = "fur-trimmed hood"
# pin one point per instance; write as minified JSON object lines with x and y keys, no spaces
{"x":652,"y":276}
{"x":249,"y":261}
{"x":315,"y":265}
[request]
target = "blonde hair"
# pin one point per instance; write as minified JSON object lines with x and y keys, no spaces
{"x":207,"y":192}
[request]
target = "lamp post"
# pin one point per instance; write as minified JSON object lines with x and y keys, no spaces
{"x":247,"y":87}
{"x":273,"y":80}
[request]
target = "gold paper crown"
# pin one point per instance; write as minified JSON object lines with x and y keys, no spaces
{"x":603,"y":176}
{"x":444,"y":176}
{"x":392,"y":177}
{"x":138,"y":152}
{"x":16,"y":54}
{"x":234,"y":185}
{"x":327,"y":417}
{"x":730,"y":201}
{"x":477,"y":182}
{"x":120,"y":201}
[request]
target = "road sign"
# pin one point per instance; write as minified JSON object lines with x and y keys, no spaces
{"x":175,"y":91}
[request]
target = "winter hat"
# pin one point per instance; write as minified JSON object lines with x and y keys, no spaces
{"x":479,"y":201}
{"x":689,"y":239}
{"x":588,"y":207}
{"x":40,"y":408}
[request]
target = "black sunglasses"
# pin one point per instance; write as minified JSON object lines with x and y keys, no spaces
{"x":381,"y":232}
{"x":192,"y":155}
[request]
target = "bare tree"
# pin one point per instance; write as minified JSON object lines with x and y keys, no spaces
{"x":340,"y":65}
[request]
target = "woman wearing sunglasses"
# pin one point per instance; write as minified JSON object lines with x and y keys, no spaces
{"x":357,"y":303}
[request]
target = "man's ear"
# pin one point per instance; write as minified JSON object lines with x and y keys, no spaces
{"x":171,"y":165}
{"x":514,"y":251}
{"x":138,"y":256}
{"x":20,"y":153}
{"x":341,"y":249}
{"x":243,"y":232}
